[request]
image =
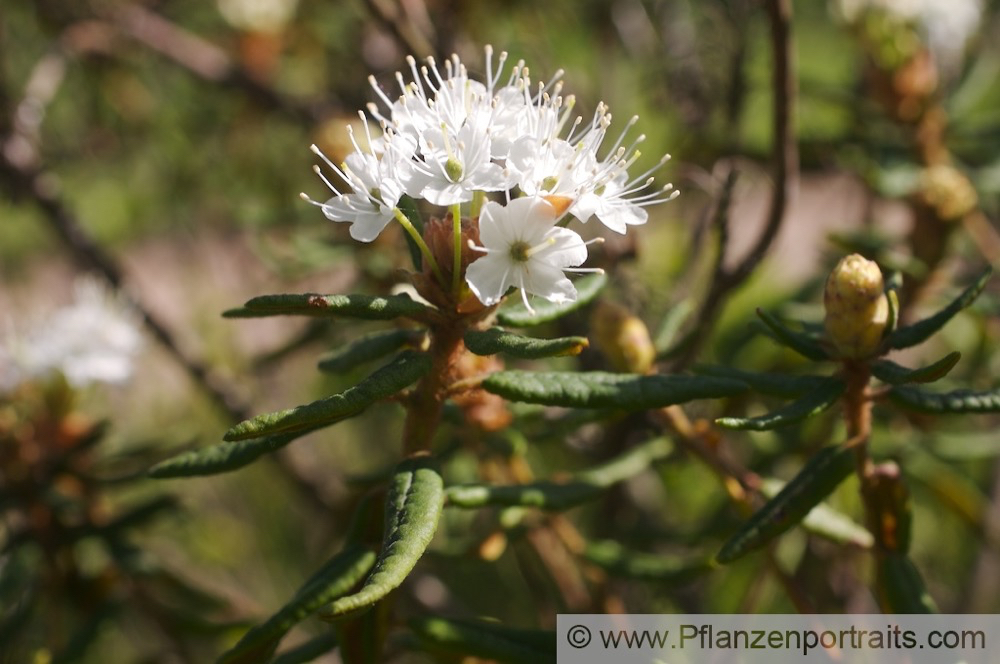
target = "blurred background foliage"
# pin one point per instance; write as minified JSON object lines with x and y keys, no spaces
{"x":169,"y":140}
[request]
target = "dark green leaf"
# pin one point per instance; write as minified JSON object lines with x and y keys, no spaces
{"x":308,"y":651}
{"x":576,"y":489}
{"x":911,"y":335}
{"x":958,"y":401}
{"x":888,"y":371}
{"x":827,"y":522}
{"x":901,"y":588}
{"x":335,"y":579}
{"x":803,"y":344}
{"x":221,"y":458}
{"x":413,"y":507}
{"x":404,"y":370}
{"x":367,"y":348}
{"x":366,"y":307}
{"x":597,"y":389}
{"x":619,"y":561}
{"x":775,"y":384}
{"x":409,"y":208}
{"x":515,"y":314}
{"x":822,"y":397}
{"x":497,"y":340}
{"x":817,"y":479}
{"x":486,"y":640}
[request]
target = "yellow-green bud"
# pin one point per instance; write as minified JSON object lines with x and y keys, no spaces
{"x":622,"y":337}
{"x":948,"y":191}
{"x":857,"y":310}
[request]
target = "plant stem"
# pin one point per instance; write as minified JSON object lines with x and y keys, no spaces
{"x":426,"y":403}
{"x":456,"y":266}
{"x":424,"y":249}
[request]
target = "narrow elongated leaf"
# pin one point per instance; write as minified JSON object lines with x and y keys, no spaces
{"x":551,"y":495}
{"x":616,"y":559}
{"x":221,"y":458}
{"x":939,"y":403}
{"x":308,"y":651}
{"x":812,"y":403}
{"x":413,"y":507}
{"x":817,"y":479}
{"x":918,"y":332}
{"x":485,"y":640}
{"x":827,"y":522}
{"x":497,"y":340}
{"x":598,"y":389}
{"x":901,"y":588}
{"x":888,"y":371}
{"x":775,"y":384}
{"x":335,"y":579}
{"x":367,"y":348}
{"x":515,"y":314}
{"x":803,"y":344}
{"x":405,"y":369}
{"x":366,"y":307}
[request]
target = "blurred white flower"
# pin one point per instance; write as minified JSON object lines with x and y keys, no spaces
{"x":93,"y":340}
{"x":258,"y":15}
{"x":525,"y":249}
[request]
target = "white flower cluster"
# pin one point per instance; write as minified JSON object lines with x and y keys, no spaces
{"x":93,"y":340}
{"x":451,"y":140}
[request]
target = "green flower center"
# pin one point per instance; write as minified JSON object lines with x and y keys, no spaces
{"x":520,"y":251}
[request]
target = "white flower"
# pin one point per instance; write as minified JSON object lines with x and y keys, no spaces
{"x":526,"y":250}
{"x":94,"y":340}
{"x":375,"y":178}
{"x":454,"y":167}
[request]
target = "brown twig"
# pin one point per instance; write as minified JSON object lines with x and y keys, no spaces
{"x":786,"y":169}
{"x":404,"y":29}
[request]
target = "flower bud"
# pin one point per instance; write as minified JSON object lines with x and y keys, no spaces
{"x":622,"y":337}
{"x":947,"y":191}
{"x":857,"y":310}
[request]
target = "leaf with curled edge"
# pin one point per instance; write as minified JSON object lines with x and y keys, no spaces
{"x":365,"y":307}
{"x":413,"y":508}
{"x":774,"y":384}
{"x":223,"y":457}
{"x":818,"y":478}
{"x":812,"y":403}
{"x":497,"y":340}
{"x":889,"y":372}
{"x":555,"y":495}
{"x":802,"y":343}
{"x":483,"y":639}
{"x":336,"y":578}
{"x":368,"y":348}
{"x":911,"y":335}
{"x":404,"y":370}
{"x":942,"y":403}
{"x":598,"y":389}
{"x":901,"y":589}
{"x":620,"y":561}
{"x":514,"y":314}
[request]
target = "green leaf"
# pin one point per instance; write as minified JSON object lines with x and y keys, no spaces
{"x":485,"y":640}
{"x":404,"y":370}
{"x":221,"y":458}
{"x":939,"y":403}
{"x":552,"y":495}
{"x":409,"y":208}
{"x":515,"y":314}
{"x":812,"y":403}
{"x":888,"y":371}
{"x":336,"y":578}
{"x":670,"y":326}
{"x":308,"y":651}
{"x":413,"y":507}
{"x":497,"y":340}
{"x":598,"y":389}
{"x":893,"y":320}
{"x":817,"y":479}
{"x":827,"y":522}
{"x":612,"y":557}
{"x":803,"y":344}
{"x":918,"y":332}
{"x":367,"y":348}
{"x":366,"y":307}
{"x":774,"y":384}
{"x":901,"y":588}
